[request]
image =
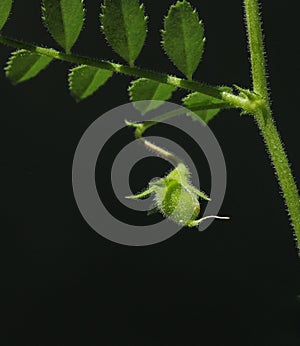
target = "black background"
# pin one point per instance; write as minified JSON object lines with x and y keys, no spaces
{"x":235,"y":283}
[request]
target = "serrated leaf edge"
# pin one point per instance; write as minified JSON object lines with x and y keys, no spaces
{"x":10,"y":62}
{"x":68,"y":50}
{"x":134,"y":83}
{"x":162,"y":31}
{"x":141,"y":7}
{"x":70,"y":76}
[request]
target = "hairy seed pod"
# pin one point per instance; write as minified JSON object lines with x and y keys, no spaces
{"x":175,"y":197}
{"x":177,"y":202}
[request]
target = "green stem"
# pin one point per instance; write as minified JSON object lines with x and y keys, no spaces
{"x":283,"y":170}
{"x":263,"y":116}
{"x":142,"y":127}
{"x":257,"y":54}
{"x":215,"y":92}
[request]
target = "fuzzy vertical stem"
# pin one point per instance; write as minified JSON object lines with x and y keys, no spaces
{"x":257,"y":54}
{"x":264,"y":118}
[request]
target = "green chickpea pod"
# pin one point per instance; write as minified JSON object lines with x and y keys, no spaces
{"x":176,"y":198}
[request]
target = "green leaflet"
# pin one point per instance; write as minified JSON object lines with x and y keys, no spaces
{"x":183,"y":37}
{"x":194,"y":100}
{"x":64,"y":19}
{"x":5,"y":7}
{"x":85,"y":80}
{"x":146,"y":89}
{"x":23,"y":65}
{"x":124,"y":25}
{"x":198,"y":100}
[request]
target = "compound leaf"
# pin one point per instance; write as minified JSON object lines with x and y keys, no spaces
{"x":199,"y":101}
{"x":24,"y":65}
{"x":64,"y":19}
{"x":124,"y":25}
{"x":5,"y":7}
{"x":146,"y":89}
{"x":183,"y":37}
{"x":85,"y":80}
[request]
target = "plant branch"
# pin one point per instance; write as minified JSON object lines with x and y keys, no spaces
{"x":263,"y":116}
{"x":140,"y":128}
{"x":124,"y":69}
